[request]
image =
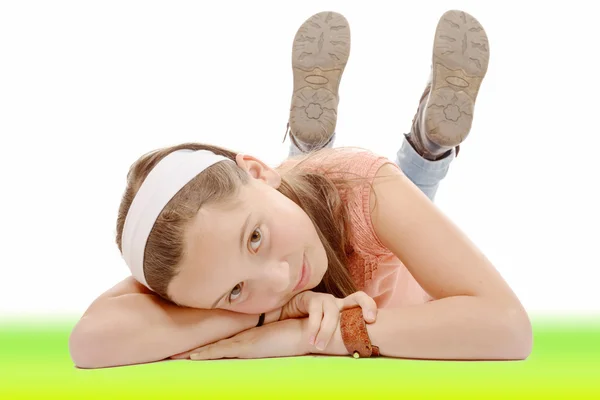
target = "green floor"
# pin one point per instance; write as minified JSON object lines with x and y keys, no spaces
{"x":565,"y":363}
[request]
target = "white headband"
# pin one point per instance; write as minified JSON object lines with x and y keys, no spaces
{"x":162,"y":183}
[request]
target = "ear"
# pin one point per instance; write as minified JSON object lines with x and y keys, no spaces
{"x":258,"y":170}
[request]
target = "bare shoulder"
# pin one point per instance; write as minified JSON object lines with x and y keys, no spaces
{"x":442,"y":259}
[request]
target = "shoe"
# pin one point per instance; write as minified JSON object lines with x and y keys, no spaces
{"x":319,"y":55}
{"x":460,"y":59}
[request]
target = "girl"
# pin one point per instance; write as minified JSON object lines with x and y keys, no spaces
{"x":233,"y":259}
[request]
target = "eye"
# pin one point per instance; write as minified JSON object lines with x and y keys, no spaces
{"x":255,"y":239}
{"x":235,"y":292}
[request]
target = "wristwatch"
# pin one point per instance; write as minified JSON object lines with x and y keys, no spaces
{"x":354,"y":334}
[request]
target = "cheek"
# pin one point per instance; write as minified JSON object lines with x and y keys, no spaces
{"x":285,"y":238}
{"x":321,"y":264}
{"x":289,"y":232}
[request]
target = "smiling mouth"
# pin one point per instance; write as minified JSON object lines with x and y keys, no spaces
{"x":304,"y":275}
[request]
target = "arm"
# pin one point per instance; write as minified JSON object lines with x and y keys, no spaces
{"x":474,"y":314}
{"x":129,"y":325}
{"x":453,"y":328}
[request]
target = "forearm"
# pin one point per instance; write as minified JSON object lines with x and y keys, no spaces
{"x":454,"y":328}
{"x":139,"y":328}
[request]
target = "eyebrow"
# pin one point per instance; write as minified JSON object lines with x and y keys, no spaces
{"x":242,"y":234}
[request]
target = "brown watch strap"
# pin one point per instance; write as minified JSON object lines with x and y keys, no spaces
{"x":355,"y":335}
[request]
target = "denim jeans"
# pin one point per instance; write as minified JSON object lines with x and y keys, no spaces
{"x":425,"y":174}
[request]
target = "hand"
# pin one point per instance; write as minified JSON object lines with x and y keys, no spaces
{"x":323,"y":312}
{"x":278,"y":339}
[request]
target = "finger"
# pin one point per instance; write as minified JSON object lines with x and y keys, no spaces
{"x":183,"y":356}
{"x":315,"y":316}
{"x":298,"y":306}
{"x":365,"y":302}
{"x":304,"y":301}
{"x":213,"y":351}
{"x":331,"y":318}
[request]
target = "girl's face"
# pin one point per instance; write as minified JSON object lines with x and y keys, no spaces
{"x":252,"y":254}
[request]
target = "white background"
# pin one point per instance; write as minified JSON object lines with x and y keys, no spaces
{"x":88,"y":87}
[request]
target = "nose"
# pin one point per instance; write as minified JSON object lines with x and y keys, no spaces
{"x":277,"y":276}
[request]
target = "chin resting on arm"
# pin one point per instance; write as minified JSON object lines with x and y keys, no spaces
{"x":130,"y":325}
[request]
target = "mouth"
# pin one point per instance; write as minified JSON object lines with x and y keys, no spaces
{"x":304,"y":277}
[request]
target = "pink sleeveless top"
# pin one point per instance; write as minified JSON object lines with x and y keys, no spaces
{"x":373,"y":267}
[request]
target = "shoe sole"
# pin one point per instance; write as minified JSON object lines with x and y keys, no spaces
{"x":319,"y":55}
{"x":460,"y":60}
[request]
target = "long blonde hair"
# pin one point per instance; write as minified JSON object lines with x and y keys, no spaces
{"x":317,"y":194}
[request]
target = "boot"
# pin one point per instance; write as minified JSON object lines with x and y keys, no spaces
{"x":445,"y":113}
{"x":319,"y":55}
